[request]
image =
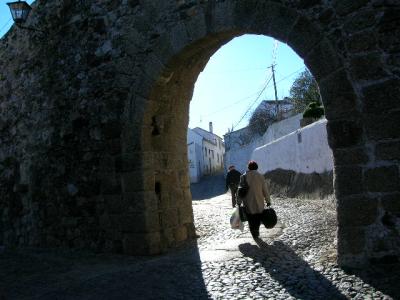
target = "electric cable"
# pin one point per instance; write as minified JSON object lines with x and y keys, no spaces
{"x":4,"y":26}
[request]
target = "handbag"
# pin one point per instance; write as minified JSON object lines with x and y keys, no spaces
{"x":242,"y":214}
{"x":243,"y":188}
{"x":269,"y":217}
{"x":235,"y":221}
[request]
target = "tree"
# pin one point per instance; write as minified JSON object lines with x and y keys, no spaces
{"x":304,"y":91}
{"x":261,"y":118}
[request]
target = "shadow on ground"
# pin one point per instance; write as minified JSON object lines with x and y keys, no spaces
{"x":383,"y":276}
{"x":292,"y":272}
{"x":41,"y":274}
{"x":209,"y":187}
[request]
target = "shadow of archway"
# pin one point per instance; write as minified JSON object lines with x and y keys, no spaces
{"x":293,"y":273}
{"x":64,"y":274}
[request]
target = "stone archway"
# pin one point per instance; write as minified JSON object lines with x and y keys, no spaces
{"x":110,"y":172}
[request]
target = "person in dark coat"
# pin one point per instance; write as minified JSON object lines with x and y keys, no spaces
{"x":232,"y":182}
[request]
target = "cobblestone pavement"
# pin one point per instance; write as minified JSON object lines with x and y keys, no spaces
{"x":295,"y":260}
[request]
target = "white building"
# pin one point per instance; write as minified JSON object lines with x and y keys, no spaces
{"x":205,"y":152}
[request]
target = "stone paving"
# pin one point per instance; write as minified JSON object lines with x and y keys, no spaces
{"x":295,"y":260}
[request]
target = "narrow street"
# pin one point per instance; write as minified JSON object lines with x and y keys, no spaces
{"x":295,"y":260}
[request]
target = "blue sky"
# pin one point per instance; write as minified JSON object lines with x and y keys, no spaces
{"x":232,"y":80}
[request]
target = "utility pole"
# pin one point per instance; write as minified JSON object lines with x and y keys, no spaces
{"x":274,"y":52}
{"x":276,"y":94}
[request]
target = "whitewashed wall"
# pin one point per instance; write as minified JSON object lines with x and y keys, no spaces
{"x":304,"y":151}
{"x":239,"y":156}
{"x":195,"y":155}
{"x":282,"y":128}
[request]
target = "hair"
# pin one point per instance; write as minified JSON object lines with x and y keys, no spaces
{"x":231,"y":167}
{"x":252,"y":165}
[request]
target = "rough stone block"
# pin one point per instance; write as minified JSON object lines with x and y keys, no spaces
{"x":141,"y":244}
{"x":345,"y":7}
{"x":128,"y":162}
{"x":350,"y":156}
{"x":136,"y":223}
{"x":357,"y":210}
{"x":381,"y":97}
{"x":391,"y":203}
{"x":170,"y":218}
{"x":360,"y":21}
{"x":180,"y":234}
{"x":344,"y":133}
{"x":338,"y":96}
{"x":132,"y":181}
{"x":185,"y":214}
{"x":351,"y":240}
{"x":323,"y":60}
{"x":109,"y":184}
{"x":368,"y":67}
{"x":167,"y":236}
{"x":389,"y":30}
{"x":382,"y":126}
{"x":347,"y":180}
{"x":111,"y":130}
{"x":304,"y":28}
{"x":382,"y":179}
{"x":365,"y":41}
{"x":388,"y":151}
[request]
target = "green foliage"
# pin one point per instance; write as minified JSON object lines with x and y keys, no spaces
{"x":304,"y":91}
{"x":314,"y":110}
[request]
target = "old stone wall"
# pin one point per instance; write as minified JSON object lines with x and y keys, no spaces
{"x":94,"y":113}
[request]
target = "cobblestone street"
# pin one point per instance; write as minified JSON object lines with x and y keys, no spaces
{"x":295,"y":260}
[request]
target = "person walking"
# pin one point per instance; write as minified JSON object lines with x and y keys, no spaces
{"x":232,"y":182}
{"x":257,"y":193}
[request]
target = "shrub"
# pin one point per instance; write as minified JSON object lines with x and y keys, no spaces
{"x":314,"y":110}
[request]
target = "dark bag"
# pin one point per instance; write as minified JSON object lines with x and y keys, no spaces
{"x":242,"y":214}
{"x":269,"y":218}
{"x":243,"y":188}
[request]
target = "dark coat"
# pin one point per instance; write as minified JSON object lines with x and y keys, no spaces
{"x":232,"y":178}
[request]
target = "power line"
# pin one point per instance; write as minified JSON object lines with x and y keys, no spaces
{"x":233,"y":104}
{"x":248,"y":109}
{"x":291,"y":74}
{"x":247,"y":97}
{"x":4,"y":26}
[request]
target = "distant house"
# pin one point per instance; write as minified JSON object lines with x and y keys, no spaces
{"x":205,"y":152}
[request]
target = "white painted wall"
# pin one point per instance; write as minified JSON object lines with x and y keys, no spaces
{"x":213,"y":154}
{"x":239,"y":155}
{"x":200,"y":162}
{"x":304,"y":151}
{"x":282,"y":128}
{"x":195,"y":157}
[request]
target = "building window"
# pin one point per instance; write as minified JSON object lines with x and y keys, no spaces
{"x":205,"y":151}
{"x":212,"y":153}
{"x":217,"y":157}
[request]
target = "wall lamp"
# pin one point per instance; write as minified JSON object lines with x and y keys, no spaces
{"x":19,"y":12}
